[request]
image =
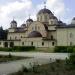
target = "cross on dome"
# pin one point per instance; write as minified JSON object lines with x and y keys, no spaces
{"x":44,"y":4}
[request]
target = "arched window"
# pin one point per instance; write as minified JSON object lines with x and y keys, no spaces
{"x":45,"y":17}
{"x":5,"y":44}
{"x":52,"y":43}
{"x":70,"y":43}
{"x":42,"y":43}
{"x":11,"y":44}
{"x":51,"y":22}
{"x":40,"y":18}
{"x":15,"y":37}
{"x":51,"y":37}
{"x":10,"y":37}
{"x":22,"y":43}
{"x":71,"y":35}
{"x":35,"y":28}
{"x":31,"y":43}
{"x":0,"y":43}
{"x":38,"y":27}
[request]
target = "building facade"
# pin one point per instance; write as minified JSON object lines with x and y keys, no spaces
{"x":47,"y":31}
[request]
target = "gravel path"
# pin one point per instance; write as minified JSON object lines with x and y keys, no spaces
{"x":38,"y":58}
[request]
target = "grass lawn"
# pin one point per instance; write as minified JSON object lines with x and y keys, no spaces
{"x":59,"y":67}
{"x":46,"y":50}
{"x":7,"y":58}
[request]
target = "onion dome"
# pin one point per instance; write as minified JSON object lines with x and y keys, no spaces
{"x":60,"y":22}
{"x":23,"y":25}
{"x":73,"y":18}
{"x":29,"y":20}
{"x":34,"y":34}
{"x":1,"y":28}
{"x":44,"y":11}
{"x":73,"y":21}
{"x":13,"y":24}
{"x":13,"y":21}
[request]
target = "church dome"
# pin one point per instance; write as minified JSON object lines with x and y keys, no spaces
{"x":73,"y":18}
{"x":13,"y":24}
{"x":44,"y":11}
{"x":13,"y":21}
{"x":34,"y":34}
{"x":73,"y":21}
{"x":29,"y":20}
{"x":23,"y":25}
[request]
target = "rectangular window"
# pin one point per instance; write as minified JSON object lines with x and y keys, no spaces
{"x":51,"y":22}
{"x":70,"y":43}
{"x":42,"y":43}
{"x":32,"y":28}
{"x":35,"y":27}
{"x":10,"y":38}
{"x":52,"y":43}
{"x":0,"y":43}
{"x":71,"y":35}
{"x":22,"y":43}
{"x":15,"y":37}
{"x":31,"y":43}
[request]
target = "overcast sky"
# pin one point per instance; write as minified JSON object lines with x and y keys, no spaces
{"x":20,"y":10}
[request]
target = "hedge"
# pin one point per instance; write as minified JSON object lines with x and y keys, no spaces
{"x":64,"y":49}
{"x":18,"y":48}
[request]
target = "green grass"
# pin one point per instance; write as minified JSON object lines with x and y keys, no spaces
{"x":7,"y":58}
{"x":59,"y":67}
{"x":46,"y":50}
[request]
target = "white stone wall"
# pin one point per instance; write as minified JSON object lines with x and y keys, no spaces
{"x":37,"y":42}
{"x":1,"y":43}
{"x":51,"y":27}
{"x":64,"y":37}
{"x":36,"y":26}
{"x":53,"y":21}
{"x":15,"y":36}
{"x":43,"y":17}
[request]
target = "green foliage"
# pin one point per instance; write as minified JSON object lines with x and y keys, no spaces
{"x":25,"y":69}
{"x":64,"y":49}
{"x":10,"y":56}
{"x":72,"y":58}
{"x":23,"y":48}
{"x":19,"y":48}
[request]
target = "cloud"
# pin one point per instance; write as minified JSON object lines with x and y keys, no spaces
{"x":20,"y":9}
{"x":8,"y":11}
{"x":56,"y":6}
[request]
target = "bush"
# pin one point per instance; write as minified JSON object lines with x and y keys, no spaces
{"x":23,"y":48}
{"x":18,"y":48}
{"x":5,"y":49}
{"x":72,"y":58}
{"x":25,"y":69}
{"x":67,"y":49}
{"x":60,"y":49}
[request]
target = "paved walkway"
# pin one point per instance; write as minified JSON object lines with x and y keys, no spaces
{"x":40,"y":58}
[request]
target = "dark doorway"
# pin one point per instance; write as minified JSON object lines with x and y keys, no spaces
{"x":51,"y":37}
{"x":11,"y":44}
{"x":52,"y":43}
{"x":5,"y":44}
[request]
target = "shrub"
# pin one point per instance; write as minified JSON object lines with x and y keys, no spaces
{"x":60,"y":49}
{"x":72,"y":58}
{"x":18,"y":48}
{"x":23,"y":48}
{"x":67,"y":49}
{"x":24,"y":69}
